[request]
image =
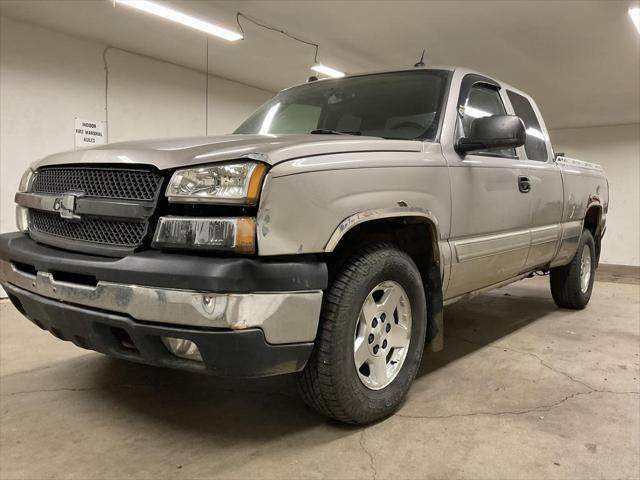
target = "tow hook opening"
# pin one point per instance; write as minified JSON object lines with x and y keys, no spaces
{"x":182,"y":348}
{"x":124,"y":340}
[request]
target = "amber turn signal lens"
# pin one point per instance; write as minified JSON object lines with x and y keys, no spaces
{"x":253,"y":190}
{"x":246,"y":235}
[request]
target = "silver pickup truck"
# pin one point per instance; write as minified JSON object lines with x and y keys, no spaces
{"x":323,"y":237}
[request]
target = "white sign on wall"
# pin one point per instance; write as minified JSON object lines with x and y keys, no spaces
{"x":90,"y":133}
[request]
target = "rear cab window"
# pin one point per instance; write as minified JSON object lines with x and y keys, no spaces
{"x":536,"y":145}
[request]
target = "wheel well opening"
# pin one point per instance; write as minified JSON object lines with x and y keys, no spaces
{"x":592,"y":223}
{"x":418,"y":238}
{"x":592,"y":220}
{"x":415,"y":236}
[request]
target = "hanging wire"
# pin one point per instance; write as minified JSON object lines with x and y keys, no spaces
{"x":275,"y":29}
{"x":206,"y":93}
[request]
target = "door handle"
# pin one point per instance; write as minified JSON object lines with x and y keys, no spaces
{"x":524,"y":184}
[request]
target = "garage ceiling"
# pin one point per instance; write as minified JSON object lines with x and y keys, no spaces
{"x":580,"y":60}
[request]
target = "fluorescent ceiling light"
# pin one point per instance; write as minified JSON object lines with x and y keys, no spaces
{"x":181,"y":18}
{"x":330,"y":72}
{"x":634,"y":13}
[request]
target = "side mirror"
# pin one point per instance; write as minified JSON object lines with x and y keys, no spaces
{"x":490,"y":133}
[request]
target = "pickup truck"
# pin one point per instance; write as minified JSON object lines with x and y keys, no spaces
{"x":322,"y":238}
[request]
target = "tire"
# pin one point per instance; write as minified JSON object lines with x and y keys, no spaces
{"x":331,"y":383}
{"x":567,"y":287}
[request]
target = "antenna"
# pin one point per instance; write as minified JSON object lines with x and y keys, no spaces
{"x":421,"y":62}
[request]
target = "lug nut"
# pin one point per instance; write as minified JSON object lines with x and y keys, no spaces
{"x":384,"y":344}
{"x":371,"y":338}
{"x":388,"y":327}
{"x":374,"y":324}
{"x":383,"y":317}
{"x":375,"y":349}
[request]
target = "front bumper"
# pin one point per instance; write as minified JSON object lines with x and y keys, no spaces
{"x":224,"y":353}
{"x":78,"y":296}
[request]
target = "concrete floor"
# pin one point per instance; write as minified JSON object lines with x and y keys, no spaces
{"x":522,"y":390}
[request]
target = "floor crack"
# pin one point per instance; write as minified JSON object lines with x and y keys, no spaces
{"x":537,"y":357}
{"x":541,"y":408}
{"x":546,"y":365}
{"x":127,"y":385}
{"x":66,"y":389}
{"x":365,"y":450}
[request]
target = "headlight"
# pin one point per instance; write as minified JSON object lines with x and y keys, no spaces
{"x":25,"y":181}
{"x":231,"y":234}
{"x":236,"y":183}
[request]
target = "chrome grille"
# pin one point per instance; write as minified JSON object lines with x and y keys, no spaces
{"x":116,"y":233}
{"x":126,"y":184}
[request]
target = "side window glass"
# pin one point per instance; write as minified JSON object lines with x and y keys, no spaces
{"x":482,"y":101}
{"x":535,"y":146}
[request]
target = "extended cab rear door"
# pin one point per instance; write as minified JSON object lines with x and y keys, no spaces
{"x":490,"y":217}
{"x":545,"y":179}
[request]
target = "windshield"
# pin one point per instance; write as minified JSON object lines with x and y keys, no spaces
{"x":400,"y":105}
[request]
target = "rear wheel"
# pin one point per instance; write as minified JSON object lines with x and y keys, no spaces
{"x":371,"y":337}
{"x":571,"y":284}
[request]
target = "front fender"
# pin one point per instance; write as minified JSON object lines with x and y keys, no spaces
{"x":310,"y":211}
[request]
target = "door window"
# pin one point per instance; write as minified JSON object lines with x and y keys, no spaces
{"x":482,"y":101}
{"x":536,"y":145}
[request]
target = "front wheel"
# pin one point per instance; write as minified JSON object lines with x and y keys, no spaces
{"x":571,"y":284}
{"x":371,"y":337}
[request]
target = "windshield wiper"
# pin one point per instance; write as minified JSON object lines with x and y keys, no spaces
{"x":324,"y":131}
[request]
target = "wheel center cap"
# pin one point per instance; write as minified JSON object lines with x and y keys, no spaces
{"x":378,"y":330}
{"x":380,"y":346}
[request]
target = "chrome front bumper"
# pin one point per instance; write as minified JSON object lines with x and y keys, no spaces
{"x":284,"y":317}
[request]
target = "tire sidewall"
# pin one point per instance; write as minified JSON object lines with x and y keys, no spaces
{"x":565,"y":280}
{"x":586,"y":241}
{"x":398,"y":267}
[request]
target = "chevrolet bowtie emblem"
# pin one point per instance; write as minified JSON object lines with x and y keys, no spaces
{"x":66,"y":205}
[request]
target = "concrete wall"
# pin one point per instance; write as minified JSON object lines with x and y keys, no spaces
{"x":48,"y":78}
{"x":617,"y":149}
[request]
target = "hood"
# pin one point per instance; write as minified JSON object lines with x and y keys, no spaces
{"x":272,"y":149}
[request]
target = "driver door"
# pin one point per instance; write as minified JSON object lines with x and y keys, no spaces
{"x":490,"y":215}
